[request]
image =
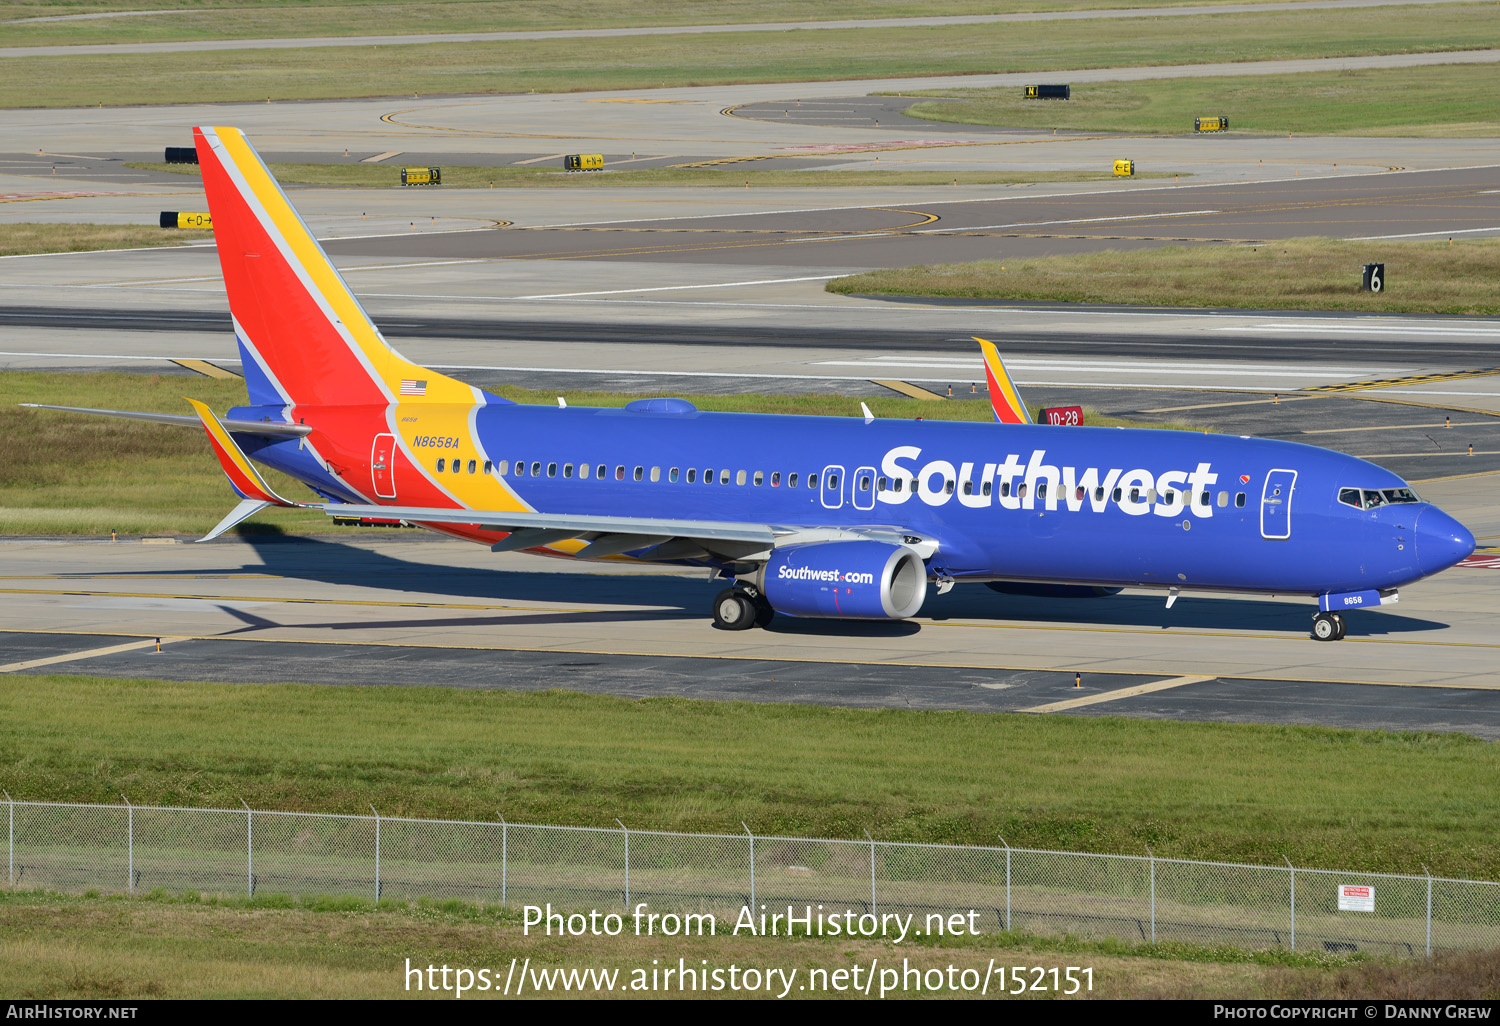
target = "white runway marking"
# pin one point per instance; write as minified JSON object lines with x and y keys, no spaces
{"x":672,"y":288}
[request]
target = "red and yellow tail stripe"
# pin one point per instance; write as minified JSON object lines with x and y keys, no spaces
{"x":296,"y":313}
{"x":243,"y":476}
{"x":1005,"y":400}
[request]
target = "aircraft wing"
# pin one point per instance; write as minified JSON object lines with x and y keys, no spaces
{"x":267,"y":428}
{"x":650,"y":537}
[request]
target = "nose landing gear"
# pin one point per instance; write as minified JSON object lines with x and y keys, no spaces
{"x":1329,"y":627}
{"x":739,"y":609}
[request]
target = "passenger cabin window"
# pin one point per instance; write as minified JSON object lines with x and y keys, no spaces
{"x":1239,"y":500}
{"x":833,"y":482}
{"x":488,"y":466}
{"x":520,"y":468}
{"x":552,"y":470}
{"x":724,"y":476}
{"x":567,"y":470}
{"x":503,"y":468}
{"x":583,"y":471}
{"x":536,"y":469}
{"x":791,"y":481}
{"x":812,"y":480}
{"x":441,"y":464}
{"x":619,"y":473}
{"x":760,"y":479}
{"x":601,"y":471}
{"x":984,"y":489}
{"x":655,"y":474}
{"x":458,"y":465}
{"x":692,"y":475}
{"x":708,"y":475}
{"x":898,"y":482}
{"x":1223,"y":499}
{"x":473,"y":466}
{"x":672,"y":475}
{"x":739,"y":477}
{"x":775,"y":479}
{"x":640,"y":473}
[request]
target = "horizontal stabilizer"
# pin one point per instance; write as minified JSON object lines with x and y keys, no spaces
{"x":244,"y":511}
{"x":266,"y":428}
{"x":243,"y":476}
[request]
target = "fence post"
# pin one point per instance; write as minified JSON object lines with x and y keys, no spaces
{"x":1007,"y":882}
{"x":873,"y":910}
{"x":10,"y":846}
{"x":627,"y":862}
{"x":377,"y":853}
{"x":504,"y":843}
{"x":1294,"y":899}
{"x":1152,"y":854}
{"x":1429,"y":907}
{"x":752,"y":865}
{"x":129,"y":846}
{"x":249,"y":851}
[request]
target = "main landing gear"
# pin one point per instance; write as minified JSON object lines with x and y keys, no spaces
{"x":739,"y":609}
{"x":1329,"y":627}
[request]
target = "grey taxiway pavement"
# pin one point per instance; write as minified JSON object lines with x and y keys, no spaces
{"x":407,"y":610}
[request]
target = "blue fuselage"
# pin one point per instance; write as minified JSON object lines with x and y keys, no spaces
{"x":1076,"y":505}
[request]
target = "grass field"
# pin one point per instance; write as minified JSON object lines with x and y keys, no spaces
{"x":96,"y":948}
{"x":367,"y":176}
{"x":64,"y":473}
{"x":235,"y":19}
{"x":1437,"y":101}
{"x":1296,"y":274}
{"x":1236,"y":792}
{"x":27,"y":237}
{"x":560,"y":65}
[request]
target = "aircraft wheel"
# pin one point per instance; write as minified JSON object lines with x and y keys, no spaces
{"x":734,"y":610}
{"x":1326,"y":627}
{"x":1342,"y":626}
{"x":764,"y":611}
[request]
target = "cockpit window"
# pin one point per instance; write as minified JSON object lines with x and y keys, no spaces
{"x":1370,"y":498}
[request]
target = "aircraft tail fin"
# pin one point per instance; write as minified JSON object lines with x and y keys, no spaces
{"x":303,"y":336}
{"x":1005,"y":399}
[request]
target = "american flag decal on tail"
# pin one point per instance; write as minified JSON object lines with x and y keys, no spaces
{"x":410,"y":387}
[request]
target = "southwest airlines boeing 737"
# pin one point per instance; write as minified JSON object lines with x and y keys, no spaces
{"x":808,"y":516}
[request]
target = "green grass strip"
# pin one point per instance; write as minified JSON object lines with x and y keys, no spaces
{"x":33,"y":237}
{"x":1443,"y":100}
{"x":1237,"y":792}
{"x":645,"y":62}
{"x":1427,"y":276}
{"x":279,"y":19}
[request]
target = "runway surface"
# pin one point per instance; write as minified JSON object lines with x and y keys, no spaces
{"x":1369,"y":207}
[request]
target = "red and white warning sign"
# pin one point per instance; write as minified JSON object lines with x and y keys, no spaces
{"x":1356,"y":898}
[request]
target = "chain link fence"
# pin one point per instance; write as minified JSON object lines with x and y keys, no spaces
{"x":134,"y":849}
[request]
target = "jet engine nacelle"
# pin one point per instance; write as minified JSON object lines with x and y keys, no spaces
{"x":858,"y":580}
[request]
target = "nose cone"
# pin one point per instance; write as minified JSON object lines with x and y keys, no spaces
{"x":1441,"y":541}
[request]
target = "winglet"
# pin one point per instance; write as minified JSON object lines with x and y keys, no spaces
{"x":1004,"y":399}
{"x":243,"y":476}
